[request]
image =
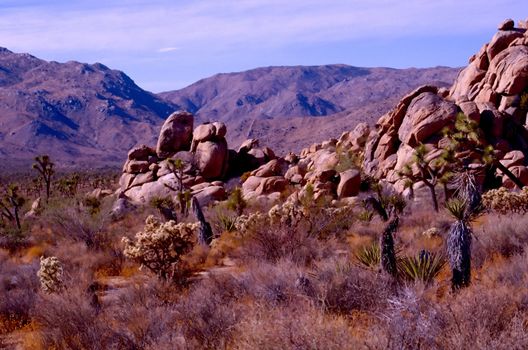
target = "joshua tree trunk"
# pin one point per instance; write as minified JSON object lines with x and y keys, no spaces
{"x":388,"y":253}
{"x":205,"y":235}
{"x":510,"y":175}
{"x":17,"y":218}
{"x":433,"y":195}
{"x":459,"y":251}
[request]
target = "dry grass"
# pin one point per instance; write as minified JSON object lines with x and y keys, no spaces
{"x":282,"y":289}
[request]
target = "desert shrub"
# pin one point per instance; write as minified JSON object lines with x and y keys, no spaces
{"x":345,"y":288}
{"x":50,"y":274}
{"x":275,"y":242}
{"x":18,"y":288}
{"x":225,"y":222}
{"x":410,"y":321}
{"x":236,"y":201}
{"x":486,"y":318}
{"x":71,"y":221}
{"x":145,"y":317}
{"x":503,"y":201}
{"x":208,"y":313}
{"x":160,"y":246}
{"x":70,"y":321}
{"x":293,"y":327}
{"x":501,"y":235}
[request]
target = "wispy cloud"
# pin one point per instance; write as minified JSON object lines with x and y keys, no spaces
{"x":222,"y":25}
{"x":168,"y":49}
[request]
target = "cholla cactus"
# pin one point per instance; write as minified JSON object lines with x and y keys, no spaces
{"x":50,"y":274}
{"x":244,"y":223}
{"x":160,"y":246}
{"x":504,"y":201}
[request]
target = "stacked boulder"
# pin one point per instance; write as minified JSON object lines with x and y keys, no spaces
{"x":203,"y":154}
{"x":492,"y":91}
{"x":318,"y":165}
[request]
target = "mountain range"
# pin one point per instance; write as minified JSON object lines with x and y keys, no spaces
{"x":89,"y":115}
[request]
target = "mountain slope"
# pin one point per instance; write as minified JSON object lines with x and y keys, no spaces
{"x":73,"y":111}
{"x":270,"y":102}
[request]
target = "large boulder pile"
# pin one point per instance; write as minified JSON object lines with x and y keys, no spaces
{"x":206,"y":162}
{"x":492,"y":90}
{"x":321,"y":166}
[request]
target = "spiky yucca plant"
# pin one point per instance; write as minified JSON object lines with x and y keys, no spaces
{"x":424,"y":267}
{"x":369,"y":256}
{"x":459,"y":244}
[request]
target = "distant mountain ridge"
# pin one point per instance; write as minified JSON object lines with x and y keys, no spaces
{"x":264,"y":101}
{"x":90,"y":115}
{"x":73,"y":111}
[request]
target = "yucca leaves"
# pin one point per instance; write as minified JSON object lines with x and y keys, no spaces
{"x":423,"y":267}
{"x":369,"y":256}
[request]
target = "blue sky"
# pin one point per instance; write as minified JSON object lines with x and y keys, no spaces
{"x":165,"y":45}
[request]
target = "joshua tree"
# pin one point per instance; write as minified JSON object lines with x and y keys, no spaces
{"x":45,"y":168}
{"x":464,"y":208}
{"x":11,"y":204}
{"x":388,"y":253}
{"x":205,"y":233}
{"x":467,"y":135}
{"x":388,"y":208}
{"x":183,"y":196}
{"x":428,"y":170}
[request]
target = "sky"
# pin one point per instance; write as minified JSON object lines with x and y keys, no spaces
{"x":169,"y":44}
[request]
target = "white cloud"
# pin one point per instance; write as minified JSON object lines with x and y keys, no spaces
{"x":168,"y":49}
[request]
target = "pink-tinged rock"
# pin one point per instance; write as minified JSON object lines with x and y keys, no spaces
{"x":513,"y":158}
{"x":521,"y":172}
{"x":212,"y":158}
{"x":500,"y":41}
{"x":349,"y":183}
{"x":508,"y":72}
{"x":275,"y":167}
{"x":136,"y":166}
{"x":210,"y":194}
{"x":141,"y":153}
{"x":507,"y":24}
{"x":204,"y":132}
{"x":176,"y":134}
{"x":221,"y":129}
{"x":427,"y":115}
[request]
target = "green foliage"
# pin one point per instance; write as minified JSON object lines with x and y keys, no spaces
{"x":67,"y":186}
{"x":523,"y":104}
{"x":44,"y":166}
{"x":347,"y":159}
{"x":423,"y":267}
{"x":226,"y":223}
{"x":457,"y":208}
{"x":11,"y":204}
{"x":369,"y":256}
{"x":93,"y":204}
{"x":365,"y":216}
{"x":236,"y":201}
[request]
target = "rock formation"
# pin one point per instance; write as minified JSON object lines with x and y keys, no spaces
{"x":492,"y":91}
{"x":203,"y":157}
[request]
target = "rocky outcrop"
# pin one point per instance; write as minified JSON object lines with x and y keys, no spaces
{"x":492,"y":91}
{"x":203,"y":159}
